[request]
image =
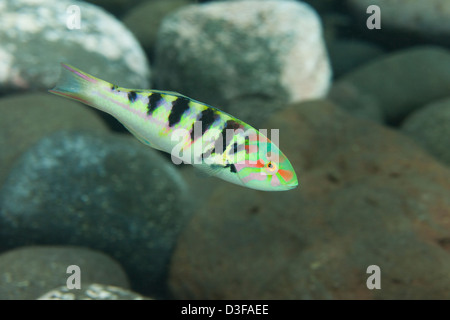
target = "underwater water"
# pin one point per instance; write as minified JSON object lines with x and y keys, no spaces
{"x":356,"y":94}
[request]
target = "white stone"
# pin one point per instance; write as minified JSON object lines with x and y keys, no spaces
{"x":221,"y":52}
{"x":34,"y":26}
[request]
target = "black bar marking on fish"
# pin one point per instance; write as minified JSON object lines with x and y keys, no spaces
{"x":207,"y":154}
{"x":153,"y":100}
{"x":231,"y":166}
{"x":113,"y":87}
{"x":234,"y":148}
{"x":132,"y":96}
{"x":179,"y":107}
{"x":192,"y":131}
{"x":207,"y":117}
{"x":230,"y":124}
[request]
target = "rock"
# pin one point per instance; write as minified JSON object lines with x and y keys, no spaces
{"x":144,"y":20}
{"x":403,"y":81}
{"x":428,"y":19}
{"x":92,"y":291}
{"x":117,"y":7}
{"x":248,"y":57}
{"x":28,"y":117}
{"x":358,"y":104}
{"x":29,"y":272}
{"x":105,"y":192}
{"x":346,"y":55}
{"x":367,"y":196}
{"x":322,"y":5}
{"x":35,"y":37}
{"x":430,"y":127}
{"x":200,"y":184}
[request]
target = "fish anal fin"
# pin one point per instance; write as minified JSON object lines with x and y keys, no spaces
{"x":142,"y":139}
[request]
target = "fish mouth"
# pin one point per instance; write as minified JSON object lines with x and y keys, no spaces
{"x":292,"y":185}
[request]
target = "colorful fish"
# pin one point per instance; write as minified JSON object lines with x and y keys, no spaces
{"x":204,"y":136}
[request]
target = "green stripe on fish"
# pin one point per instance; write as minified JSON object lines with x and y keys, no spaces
{"x":198,"y":133}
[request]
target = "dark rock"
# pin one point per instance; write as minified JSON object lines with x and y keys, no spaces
{"x":367,"y":196}
{"x":404,"y":81}
{"x":346,"y":55}
{"x":117,"y":7}
{"x":427,"y":19}
{"x":105,"y":192}
{"x":29,"y":272}
{"x":430,"y":127}
{"x":144,"y":20}
{"x":27,"y":118}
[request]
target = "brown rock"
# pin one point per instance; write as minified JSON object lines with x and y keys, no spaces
{"x":367,"y":196}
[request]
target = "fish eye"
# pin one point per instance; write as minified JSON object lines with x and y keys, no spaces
{"x":271,"y":167}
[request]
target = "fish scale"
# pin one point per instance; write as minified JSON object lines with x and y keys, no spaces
{"x":212,"y":140}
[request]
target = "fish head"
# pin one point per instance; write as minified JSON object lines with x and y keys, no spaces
{"x":265,"y":167}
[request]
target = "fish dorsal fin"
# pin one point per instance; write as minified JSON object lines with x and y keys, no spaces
{"x":169,"y":93}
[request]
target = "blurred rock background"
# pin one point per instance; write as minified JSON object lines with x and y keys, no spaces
{"x":363,"y":117}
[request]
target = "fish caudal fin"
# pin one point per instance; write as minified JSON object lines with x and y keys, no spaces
{"x":75,"y":84}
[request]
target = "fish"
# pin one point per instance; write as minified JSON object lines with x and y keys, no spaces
{"x":191,"y":131}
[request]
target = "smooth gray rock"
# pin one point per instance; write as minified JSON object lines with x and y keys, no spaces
{"x":430,"y":127}
{"x":28,"y":272}
{"x":403,"y":81}
{"x":429,"y":19}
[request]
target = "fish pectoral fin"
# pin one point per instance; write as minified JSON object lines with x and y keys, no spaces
{"x":210,"y":169}
{"x":142,"y":139}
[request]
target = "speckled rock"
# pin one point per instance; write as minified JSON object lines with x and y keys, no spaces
{"x":106,"y":192}
{"x":429,"y":19}
{"x":28,"y":117}
{"x":248,"y":58}
{"x":35,"y":37}
{"x":92,"y":291}
{"x":403,"y":81}
{"x":367,"y":195}
{"x":430,"y":127}
{"x":28,"y":272}
{"x":144,"y":20}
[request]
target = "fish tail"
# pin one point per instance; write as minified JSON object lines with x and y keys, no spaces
{"x":75,"y":84}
